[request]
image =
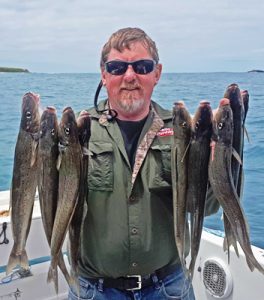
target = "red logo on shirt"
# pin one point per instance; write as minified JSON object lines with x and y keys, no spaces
{"x":165,"y":132}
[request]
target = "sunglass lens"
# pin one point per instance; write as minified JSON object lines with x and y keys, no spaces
{"x":143,"y":66}
{"x":116,"y":67}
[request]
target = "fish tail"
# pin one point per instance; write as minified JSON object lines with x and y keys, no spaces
{"x":229,"y":238}
{"x":75,"y":283}
{"x":17,"y":260}
{"x":53,"y":275}
{"x":227,"y":243}
{"x":191,"y":268}
{"x":250,"y":264}
{"x":253,"y":263}
{"x":64,"y":270}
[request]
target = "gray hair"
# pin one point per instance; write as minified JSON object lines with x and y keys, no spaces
{"x":123,"y":38}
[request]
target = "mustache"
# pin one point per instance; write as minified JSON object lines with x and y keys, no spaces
{"x":130,"y":87}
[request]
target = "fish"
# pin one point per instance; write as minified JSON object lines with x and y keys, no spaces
{"x":48,"y":175}
{"x":24,"y":180}
{"x":179,"y":163}
{"x":199,"y":152}
{"x":234,"y":95}
{"x":69,"y":164}
{"x":84,"y":132}
{"x":221,"y":180}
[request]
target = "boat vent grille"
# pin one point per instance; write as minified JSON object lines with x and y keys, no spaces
{"x":214,"y":278}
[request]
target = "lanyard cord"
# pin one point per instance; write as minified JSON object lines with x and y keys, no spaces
{"x":110,"y":113}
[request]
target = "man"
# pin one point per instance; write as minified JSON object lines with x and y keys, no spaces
{"x":127,"y":243}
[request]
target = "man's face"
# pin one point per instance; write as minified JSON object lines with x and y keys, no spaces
{"x":130,"y":94}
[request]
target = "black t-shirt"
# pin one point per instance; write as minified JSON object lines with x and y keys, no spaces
{"x":131,"y":131}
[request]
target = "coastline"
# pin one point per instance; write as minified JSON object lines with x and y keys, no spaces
{"x":13,"y":70}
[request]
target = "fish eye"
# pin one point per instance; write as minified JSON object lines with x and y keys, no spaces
{"x":67,"y":130}
{"x":184,"y":124}
{"x":220,"y":125}
{"x":28,"y":114}
{"x":52,"y":131}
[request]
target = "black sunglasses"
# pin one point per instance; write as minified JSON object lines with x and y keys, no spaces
{"x":119,"y":67}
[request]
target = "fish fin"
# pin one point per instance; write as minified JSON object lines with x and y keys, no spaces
{"x":34,"y":155}
{"x":229,"y":238}
{"x":17,"y":260}
{"x":250,"y":264}
{"x":59,"y":159}
{"x":247,"y":135}
{"x":64,"y":270}
{"x":212,"y":146}
{"x":237,"y":156}
{"x":185,"y":152}
{"x":86,"y":151}
{"x":226,"y":248}
{"x":53,"y":276}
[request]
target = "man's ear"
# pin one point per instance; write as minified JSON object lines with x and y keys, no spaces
{"x":103,"y":76}
{"x":158,"y":71}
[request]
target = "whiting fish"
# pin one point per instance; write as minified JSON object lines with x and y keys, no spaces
{"x":199,"y":153}
{"x":24,"y":180}
{"x":234,"y":95}
{"x":179,"y":161}
{"x":69,"y":165}
{"x":221,"y":180}
{"x":48,"y":175}
{"x":83,"y":125}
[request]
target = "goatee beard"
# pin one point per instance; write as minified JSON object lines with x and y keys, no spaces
{"x":131,"y":105}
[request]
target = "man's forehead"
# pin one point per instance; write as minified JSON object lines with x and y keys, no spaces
{"x":133,"y":49}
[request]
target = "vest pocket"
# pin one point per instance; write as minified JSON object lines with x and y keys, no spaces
{"x":162,"y":172}
{"x":100,"y":169}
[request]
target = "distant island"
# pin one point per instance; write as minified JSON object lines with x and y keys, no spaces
{"x":14,"y":70}
{"x":256,"y":71}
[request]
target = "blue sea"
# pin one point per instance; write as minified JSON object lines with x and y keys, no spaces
{"x":77,"y":91}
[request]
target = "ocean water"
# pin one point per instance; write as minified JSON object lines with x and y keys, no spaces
{"x":77,"y":91}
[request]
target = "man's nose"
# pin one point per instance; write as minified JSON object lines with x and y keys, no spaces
{"x":130,"y":74}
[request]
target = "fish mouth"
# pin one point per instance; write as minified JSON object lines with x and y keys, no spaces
{"x":179,"y":103}
{"x":232,"y":86}
{"x":84,"y":113}
{"x":67,"y":108}
{"x":204,"y":103}
{"x":51,"y":109}
{"x":34,"y":96}
{"x":244,"y":92}
{"x":224,"y":101}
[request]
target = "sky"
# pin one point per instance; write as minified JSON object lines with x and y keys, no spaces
{"x":57,"y":36}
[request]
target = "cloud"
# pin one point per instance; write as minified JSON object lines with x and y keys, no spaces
{"x":71,"y":33}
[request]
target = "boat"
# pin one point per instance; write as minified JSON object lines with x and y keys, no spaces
{"x":22,"y":284}
{"x":214,"y":277}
